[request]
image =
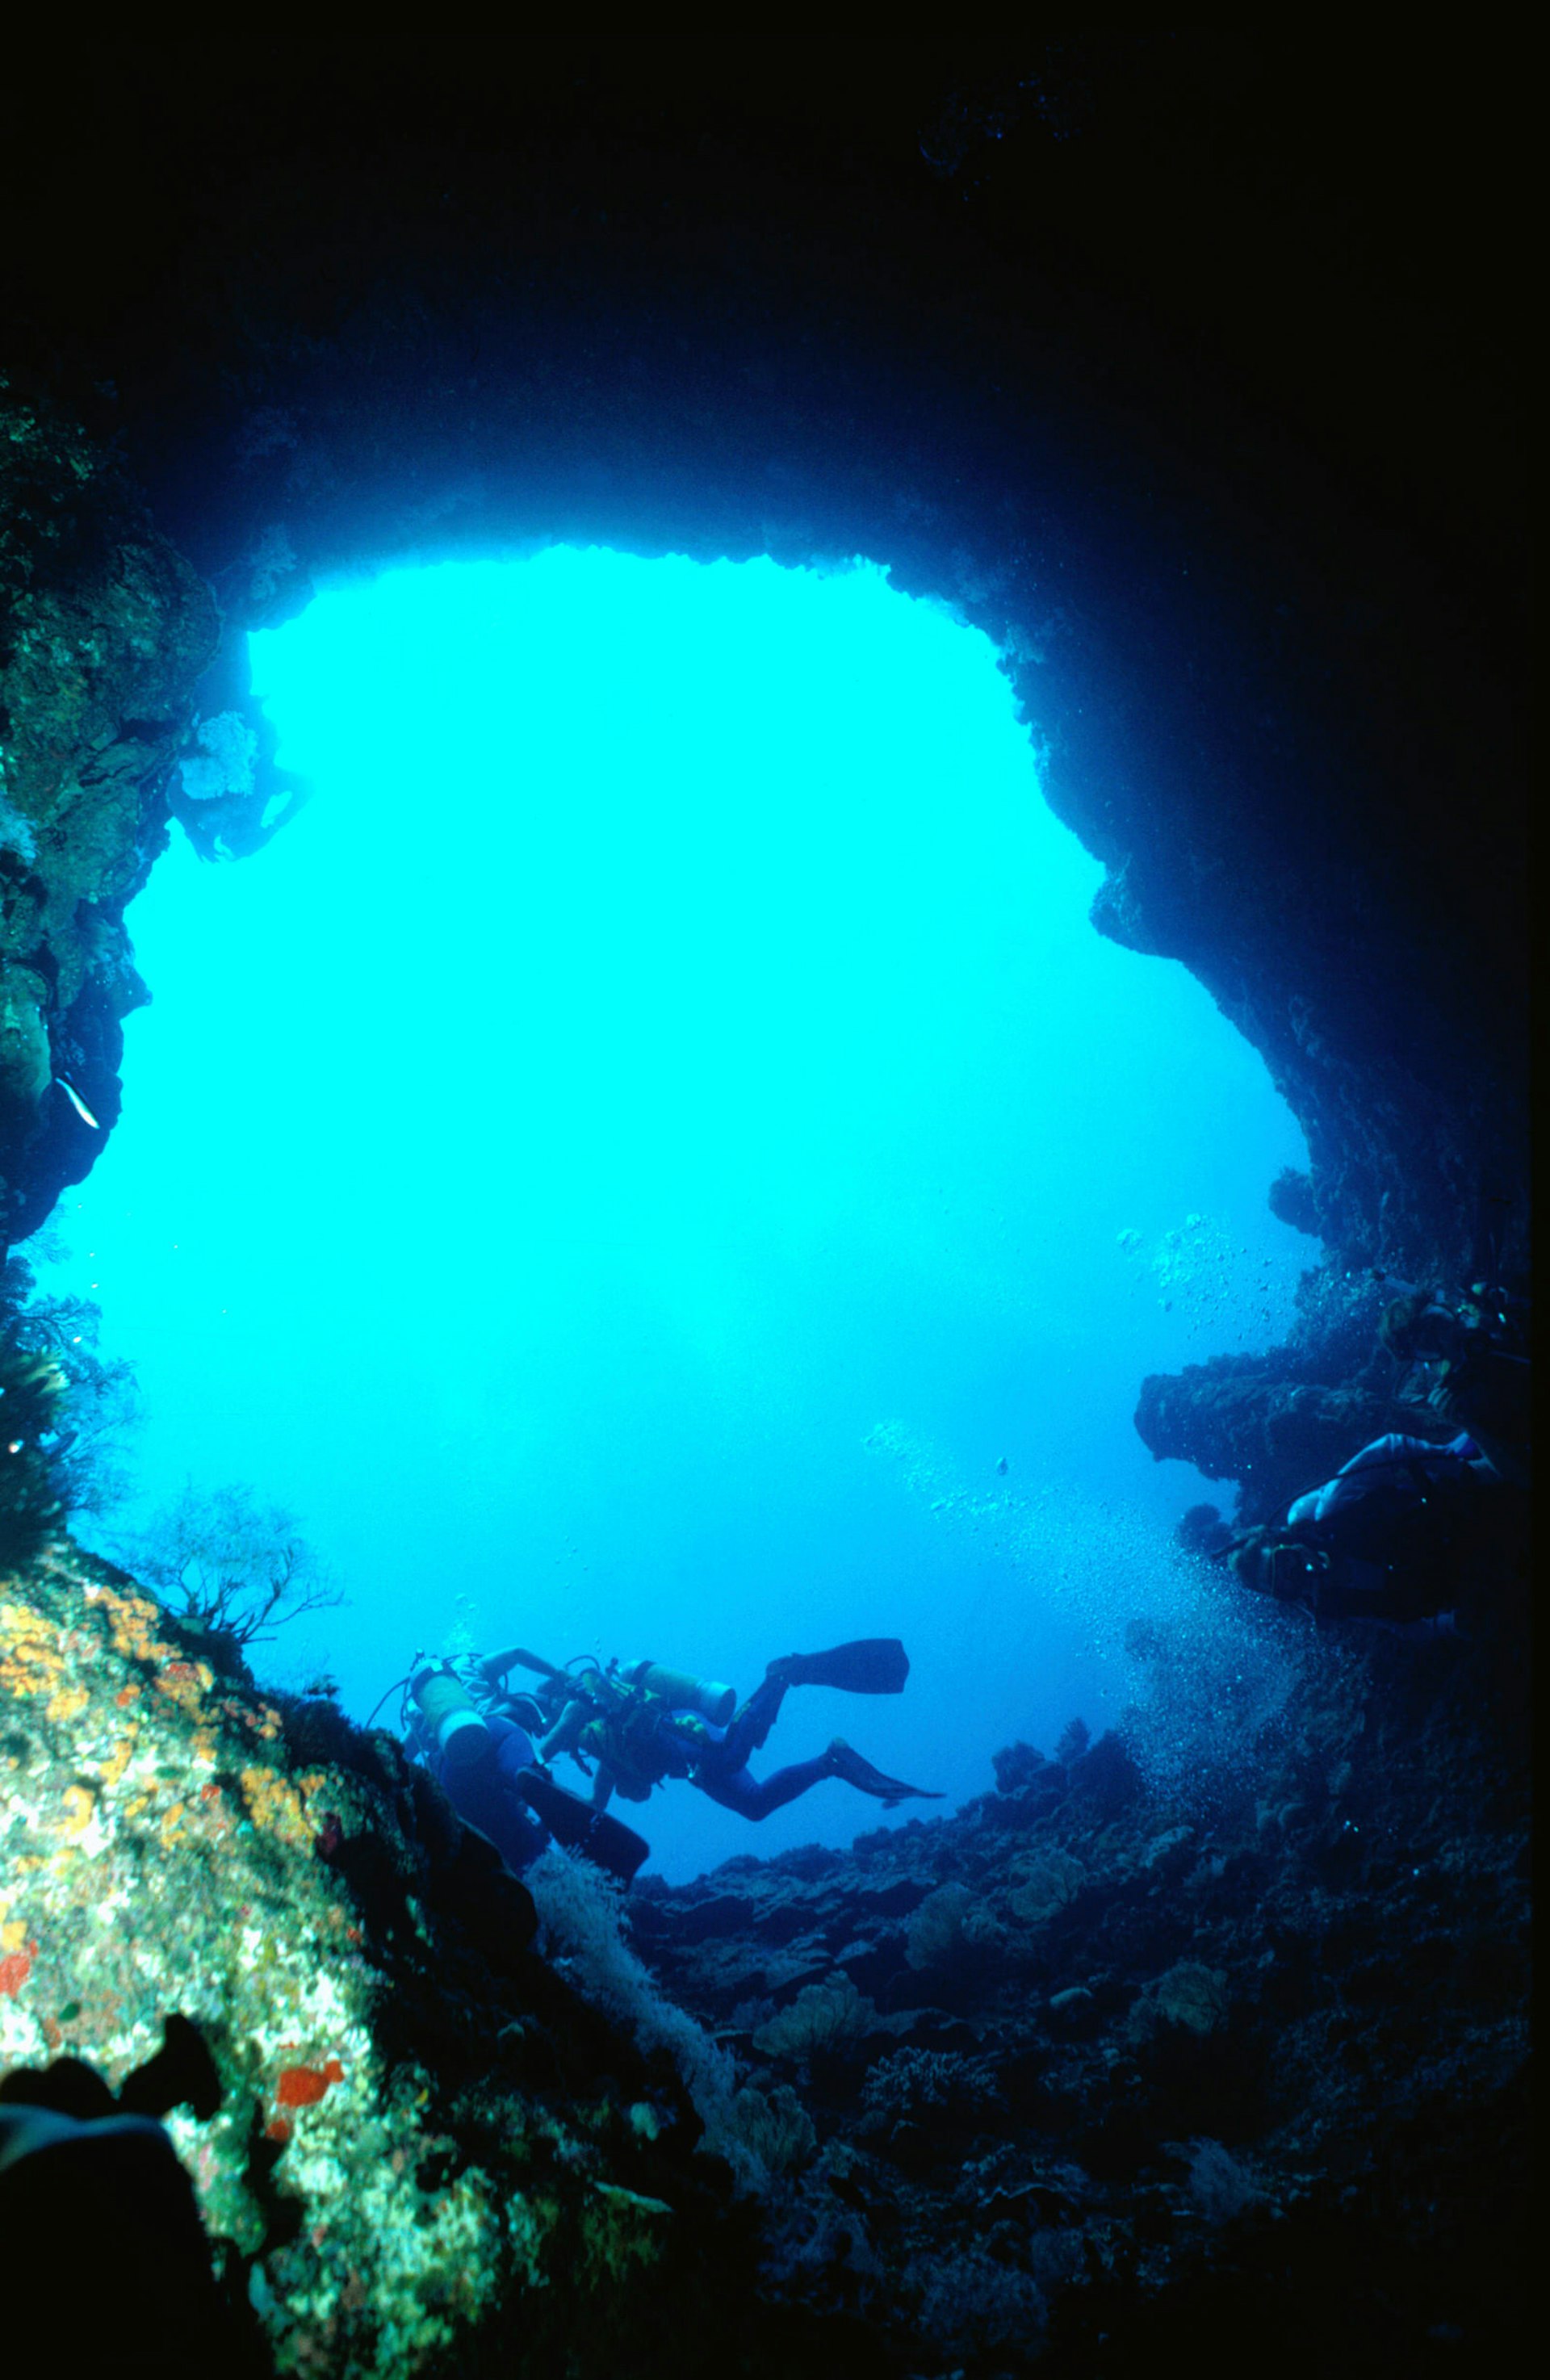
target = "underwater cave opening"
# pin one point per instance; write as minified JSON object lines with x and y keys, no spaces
{"x":654,"y":1158}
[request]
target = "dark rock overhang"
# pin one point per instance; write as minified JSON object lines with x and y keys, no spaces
{"x":1267,"y":655}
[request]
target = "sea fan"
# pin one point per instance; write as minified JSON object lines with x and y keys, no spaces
{"x":937,"y":1929}
{"x":32,"y":1388}
{"x":824,"y":2020}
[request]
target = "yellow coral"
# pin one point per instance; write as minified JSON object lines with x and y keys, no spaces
{"x":118,"y":1761}
{"x":78,"y":1807}
{"x":31,"y":1660}
{"x":130,"y":1620}
{"x":277,"y":1808}
{"x":66,"y":1702}
{"x":185,"y":1684}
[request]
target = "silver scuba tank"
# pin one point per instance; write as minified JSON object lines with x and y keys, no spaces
{"x":450,"y":1716}
{"x":682,"y":1691}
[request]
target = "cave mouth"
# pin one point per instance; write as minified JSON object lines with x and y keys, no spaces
{"x":656,"y":1133}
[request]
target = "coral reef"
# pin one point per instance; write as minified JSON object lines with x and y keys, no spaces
{"x":1021,"y":2086}
{"x":1243,"y":2065}
{"x":427,"y":2146}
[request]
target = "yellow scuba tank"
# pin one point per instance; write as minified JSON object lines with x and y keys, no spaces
{"x":682,"y":1691}
{"x":448,"y":1710}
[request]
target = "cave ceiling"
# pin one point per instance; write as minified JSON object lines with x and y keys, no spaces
{"x":1181,"y":364}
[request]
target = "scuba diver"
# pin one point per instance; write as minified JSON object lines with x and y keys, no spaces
{"x":633,"y":1728}
{"x":629,"y":1730}
{"x":1469,"y":1361}
{"x":478,"y":1758}
{"x":477,"y":1741}
{"x":1388,"y":1538}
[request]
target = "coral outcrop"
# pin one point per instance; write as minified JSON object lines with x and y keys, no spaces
{"x":430,"y":2154}
{"x":1226,"y":2059}
{"x":103,"y":630}
{"x":1277,"y":1423}
{"x":1215,"y":2028}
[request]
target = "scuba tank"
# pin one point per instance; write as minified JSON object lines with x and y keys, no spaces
{"x":682,"y":1693}
{"x":449,"y":1714}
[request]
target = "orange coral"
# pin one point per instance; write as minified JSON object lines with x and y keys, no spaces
{"x":185,"y":1684}
{"x":303,"y":2087}
{"x":14,"y":1971}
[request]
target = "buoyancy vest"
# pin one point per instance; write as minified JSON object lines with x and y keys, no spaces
{"x":639,"y":1738}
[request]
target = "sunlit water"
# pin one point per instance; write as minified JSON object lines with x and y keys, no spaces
{"x":633,"y":1161}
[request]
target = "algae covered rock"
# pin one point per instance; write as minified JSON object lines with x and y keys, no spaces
{"x":1195,"y":1998}
{"x":105,"y":629}
{"x":424,"y":2139}
{"x":824,"y":2020}
{"x":1047,"y":1886}
{"x":937,"y":1930}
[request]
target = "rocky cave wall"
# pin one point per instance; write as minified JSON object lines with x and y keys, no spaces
{"x":1258,"y":694}
{"x":1274,"y":693}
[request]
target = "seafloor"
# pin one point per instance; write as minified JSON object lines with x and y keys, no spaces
{"x":1096,"y":2068}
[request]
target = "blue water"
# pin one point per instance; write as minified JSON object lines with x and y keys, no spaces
{"x":634,"y":1157}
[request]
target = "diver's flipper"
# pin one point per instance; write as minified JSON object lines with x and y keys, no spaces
{"x":872,"y":1665}
{"x":867,"y":1780}
{"x":606,"y":1841}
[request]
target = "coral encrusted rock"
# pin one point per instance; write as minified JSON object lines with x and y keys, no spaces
{"x":1236,"y":2062}
{"x":103,"y":630}
{"x":429,"y":2156}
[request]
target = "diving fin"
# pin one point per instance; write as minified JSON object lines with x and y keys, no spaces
{"x":860,"y":1773}
{"x":872,"y":1665}
{"x":573,"y":1822}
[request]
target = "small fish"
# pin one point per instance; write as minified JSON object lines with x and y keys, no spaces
{"x":78,"y":1103}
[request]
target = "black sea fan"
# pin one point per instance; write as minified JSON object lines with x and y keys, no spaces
{"x":31,"y":1387}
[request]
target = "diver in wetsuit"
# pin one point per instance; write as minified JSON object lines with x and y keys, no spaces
{"x":1469,"y":1361}
{"x":477,"y":1740}
{"x":478,"y":1758}
{"x":1385,"y":1539}
{"x":641,"y":1726}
